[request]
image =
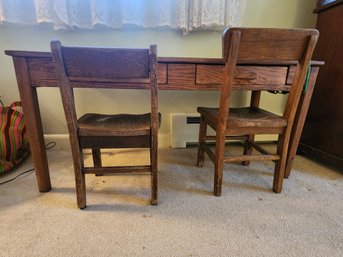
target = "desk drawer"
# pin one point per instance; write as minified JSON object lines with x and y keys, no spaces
{"x":245,"y":75}
{"x":162,"y":73}
{"x":181,"y":74}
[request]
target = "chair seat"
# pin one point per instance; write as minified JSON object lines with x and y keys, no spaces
{"x":247,"y":117}
{"x":93,"y":124}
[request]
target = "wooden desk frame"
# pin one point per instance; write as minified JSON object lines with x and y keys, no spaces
{"x":35,"y":69}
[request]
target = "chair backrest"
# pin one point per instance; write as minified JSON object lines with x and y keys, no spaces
{"x":102,"y":64}
{"x":268,"y":46}
{"x":103,"y":68}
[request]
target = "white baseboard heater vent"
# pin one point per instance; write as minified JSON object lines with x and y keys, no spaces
{"x":185,"y":129}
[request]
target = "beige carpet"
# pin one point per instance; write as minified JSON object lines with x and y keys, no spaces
{"x":306,"y":219}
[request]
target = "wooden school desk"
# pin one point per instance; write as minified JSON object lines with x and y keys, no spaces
{"x":35,"y":69}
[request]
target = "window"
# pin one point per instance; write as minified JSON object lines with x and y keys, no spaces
{"x":187,"y":15}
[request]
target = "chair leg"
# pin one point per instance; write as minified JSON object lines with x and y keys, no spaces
{"x":154,"y":192}
{"x":287,"y":172}
{"x":80,"y":181}
{"x":202,"y":139}
{"x":254,"y":102}
{"x":97,"y":160}
{"x":153,"y":166}
{"x":218,"y":166}
{"x":280,"y":165}
{"x":248,"y":148}
{"x":154,"y":182}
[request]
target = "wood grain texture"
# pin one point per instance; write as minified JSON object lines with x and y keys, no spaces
{"x":91,"y":142}
{"x":198,"y":74}
{"x":40,"y":73}
{"x":95,"y":124}
{"x":113,"y":67}
{"x":251,"y":45}
{"x":323,"y":129}
{"x":29,"y":99}
{"x":214,"y":74}
{"x":290,"y":44}
{"x":181,"y":74}
{"x":299,"y":121}
{"x":162,"y":73}
{"x":106,"y":63}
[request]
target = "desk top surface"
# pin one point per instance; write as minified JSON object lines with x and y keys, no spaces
{"x":195,"y":60}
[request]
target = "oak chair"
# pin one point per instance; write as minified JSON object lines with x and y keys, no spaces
{"x":244,"y":46}
{"x":108,"y":68}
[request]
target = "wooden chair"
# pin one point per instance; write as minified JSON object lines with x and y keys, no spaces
{"x":243,"y":46}
{"x":109,"y":68}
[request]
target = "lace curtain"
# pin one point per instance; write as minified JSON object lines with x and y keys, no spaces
{"x":187,"y":15}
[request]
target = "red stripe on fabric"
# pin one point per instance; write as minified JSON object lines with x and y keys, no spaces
{"x":6,"y":135}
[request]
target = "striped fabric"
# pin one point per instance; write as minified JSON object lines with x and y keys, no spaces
{"x":14,"y":145}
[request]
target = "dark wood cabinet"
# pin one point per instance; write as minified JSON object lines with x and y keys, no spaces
{"x":322,"y":136}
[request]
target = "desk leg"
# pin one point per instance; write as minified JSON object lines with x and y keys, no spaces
{"x":299,"y":121}
{"x":28,"y":95}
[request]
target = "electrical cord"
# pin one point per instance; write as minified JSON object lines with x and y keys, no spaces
{"x":48,"y":146}
{"x":7,"y":181}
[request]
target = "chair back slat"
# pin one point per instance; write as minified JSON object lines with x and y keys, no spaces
{"x":106,"y":63}
{"x":269,"y":45}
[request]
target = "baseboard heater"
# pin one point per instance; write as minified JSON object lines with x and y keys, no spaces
{"x":185,"y":129}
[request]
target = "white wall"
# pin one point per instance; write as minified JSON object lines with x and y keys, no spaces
{"x":259,"y":13}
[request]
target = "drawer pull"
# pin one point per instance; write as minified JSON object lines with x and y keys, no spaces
{"x":245,"y":75}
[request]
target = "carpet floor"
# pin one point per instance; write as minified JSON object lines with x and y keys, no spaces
{"x":306,"y":219}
